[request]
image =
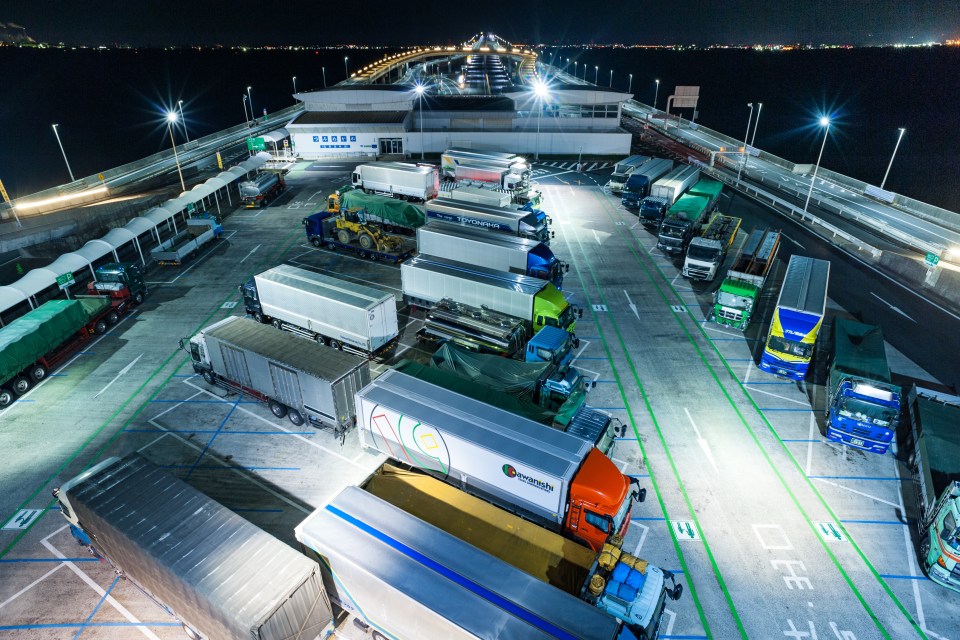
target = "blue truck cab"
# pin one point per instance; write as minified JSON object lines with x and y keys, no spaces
{"x":652,"y":211}
{"x":636,"y":187}
{"x":551,"y":344}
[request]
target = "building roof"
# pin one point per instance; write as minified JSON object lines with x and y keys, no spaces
{"x":468,"y":103}
{"x":351,"y":117}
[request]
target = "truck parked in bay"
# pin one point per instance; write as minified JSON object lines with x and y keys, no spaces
{"x":477,"y":195}
{"x":641,"y":180}
{"x":707,"y":251}
{"x":681,"y":224}
{"x":219,"y":575}
{"x":518,"y":223}
{"x":349,"y":231}
{"x":739,"y":293}
{"x":390,"y":214}
{"x":664,"y":192}
{"x":186,"y":244}
{"x":503,"y":170}
{"x":397,"y":180}
{"x":257,"y":193}
{"x":479,"y":329}
{"x":340,"y":314}
{"x":709,"y":189}
{"x":622,"y":171}
{"x":302,"y":381}
{"x":120,"y":281}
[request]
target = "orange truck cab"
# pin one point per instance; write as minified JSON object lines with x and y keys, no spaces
{"x":600,"y":501}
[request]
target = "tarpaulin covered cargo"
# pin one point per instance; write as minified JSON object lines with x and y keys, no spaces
{"x":389,"y":210}
{"x":858,"y":350}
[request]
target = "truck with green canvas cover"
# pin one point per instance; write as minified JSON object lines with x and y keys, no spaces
{"x":709,"y":189}
{"x":392,"y":214}
{"x":35,"y":343}
{"x":737,"y":297}
{"x":682,"y":223}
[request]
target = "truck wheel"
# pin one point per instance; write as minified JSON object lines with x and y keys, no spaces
{"x":100,"y":326}
{"x":37,"y":373}
{"x":331,"y":246}
{"x":294,"y":417}
{"x":277,"y":409}
{"x":316,"y":242}
{"x":343,"y":236}
{"x":366,"y":241}
{"x":209,"y":377}
{"x":924,"y":549}
{"x":113,"y":318}
{"x":376,"y":635}
{"x":138,"y":297}
{"x":193,"y":635}
{"x":20,"y":385}
{"x":336,"y":344}
{"x":278,"y":324}
{"x":374,"y":256}
{"x":6,"y":397}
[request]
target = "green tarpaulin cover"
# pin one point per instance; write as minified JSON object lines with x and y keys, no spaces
{"x":391,"y":210}
{"x":858,"y":350}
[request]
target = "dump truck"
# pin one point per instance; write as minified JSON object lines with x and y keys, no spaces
{"x":471,"y":570}
{"x":397,"y":180}
{"x":492,"y":250}
{"x":641,"y":180}
{"x":218,"y":574}
{"x":340,"y":314}
{"x":475,"y":328}
{"x":707,"y":251}
{"x":391,"y":214}
{"x":739,"y":293}
{"x":932,"y":443}
{"x":477,"y":195}
{"x":523,"y":224}
{"x":188,"y":242}
{"x":681,"y":224}
{"x":119,"y":280}
{"x":302,"y":381}
{"x":426,"y":280}
{"x":42,"y":339}
{"x":863,"y":406}
{"x":709,"y":189}
{"x":324,"y":230}
{"x":623,"y":170}
{"x":257,"y":193}
{"x":664,"y":193}
{"x":554,"y":478}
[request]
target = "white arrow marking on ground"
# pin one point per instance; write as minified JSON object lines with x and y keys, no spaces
{"x":251,"y":252}
{"x":596,"y":236}
{"x":123,"y":371}
{"x":892,"y":307}
{"x":633,"y":307}
{"x":703,"y":443}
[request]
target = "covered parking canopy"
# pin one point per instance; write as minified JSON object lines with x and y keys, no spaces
{"x":69,"y":263}
{"x":140,"y":225}
{"x":11,"y":297}
{"x":95,"y":249}
{"x":35,"y":281}
{"x":276,"y":136}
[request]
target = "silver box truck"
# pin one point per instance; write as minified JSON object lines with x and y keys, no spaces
{"x":341,"y":314}
{"x":300,"y":380}
{"x":524,"y":224}
{"x":219,"y":574}
{"x":477,"y":195}
{"x":665,"y":192}
{"x":397,"y":180}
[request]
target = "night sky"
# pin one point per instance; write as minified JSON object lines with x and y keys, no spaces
{"x":184,"y":22}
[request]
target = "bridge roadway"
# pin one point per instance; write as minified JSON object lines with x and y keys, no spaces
{"x":774,"y":532}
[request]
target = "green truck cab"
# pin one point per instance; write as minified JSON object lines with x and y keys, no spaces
{"x":123,"y":280}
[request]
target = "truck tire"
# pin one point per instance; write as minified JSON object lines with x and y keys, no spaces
{"x":374,"y":256}
{"x":37,"y":372}
{"x":294,"y":417}
{"x":138,"y":297}
{"x":366,"y":241}
{"x":278,"y":324}
{"x":20,"y":385}
{"x":258,"y":316}
{"x":193,"y":635}
{"x":924,"y":549}
{"x":343,"y":236}
{"x":277,"y":409}
{"x":100,"y":326}
{"x":376,"y":635}
{"x":113,"y":317}
{"x":336,"y":344}
{"x":331,"y":246}
{"x":209,"y":377}
{"x":6,"y":397}
{"x":315,"y":241}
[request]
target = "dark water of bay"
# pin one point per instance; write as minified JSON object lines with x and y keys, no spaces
{"x":110,"y":104}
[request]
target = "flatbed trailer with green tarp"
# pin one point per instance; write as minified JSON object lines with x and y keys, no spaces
{"x":393,"y":214}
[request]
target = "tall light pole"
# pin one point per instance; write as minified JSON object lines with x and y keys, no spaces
{"x":630,"y":85}
{"x":656,"y":94}
{"x":324,"y":69}
{"x":596,"y":74}
{"x":69,"y":170}
{"x":541,"y":91}
{"x":575,"y":63}
{"x":825,"y":123}
{"x":294,"y":84}
{"x":171,"y":118}
{"x":183,"y":121}
{"x":419,"y":90}
{"x":897,"y":146}
{"x":253,"y":115}
{"x":346,"y":70}
{"x":743,"y":156}
{"x":756,"y":123}
{"x":567,"y":66}
{"x":611,"y":79}
{"x":245,"y":118}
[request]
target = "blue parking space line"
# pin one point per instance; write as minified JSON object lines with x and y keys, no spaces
{"x":589,"y":337}
{"x":86,"y":353}
{"x":673,"y":637}
{"x":15,"y":560}
{"x":106,"y":594}
{"x":892,"y":522}
{"x":750,"y":383}
{"x":589,"y":358}
{"x":802,"y":440}
{"x":184,"y":375}
{"x":881,"y":478}
{"x":222,"y":424}
{"x":606,"y":381}
{"x":893,"y":576}
{"x":739,"y":359}
{"x":637,"y":475}
{"x":649,"y":518}
{"x":738,"y":339}
{"x":211,"y":401}
{"x":70,"y":625}
{"x":23,"y":400}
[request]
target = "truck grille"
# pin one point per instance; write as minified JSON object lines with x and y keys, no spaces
{"x":698,"y":272}
{"x":730,"y":314}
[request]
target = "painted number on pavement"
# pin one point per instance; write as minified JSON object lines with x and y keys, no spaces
{"x":830,"y":531}
{"x":686,"y":530}
{"x":23,"y":519}
{"x":677,"y":308}
{"x":599,"y":307}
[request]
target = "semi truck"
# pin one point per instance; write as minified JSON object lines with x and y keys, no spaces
{"x":641,"y":180}
{"x":522,"y":224}
{"x":933,"y":446}
{"x":512,"y":174}
{"x":471,"y":570}
{"x":218,"y":574}
{"x":709,"y":189}
{"x":340,"y":314}
{"x":392,"y":215}
{"x":707,"y":251}
{"x":664,"y":192}
{"x":397,"y":180}
{"x":477,"y":195}
{"x":427,"y":279}
{"x":257,"y":193}
{"x":42,"y":339}
{"x":492,"y":250}
{"x":863,"y":406}
{"x":797,"y":318}
{"x":302,"y":381}
{"x":551,"y":344}
{"x":739,"y":293}
{"x":476,"y":328}
{"x":622,"y":171}
{"x":188,"y":242}
{"x":119,"y":280}
{"x":324,"y":230}
{"x":682,"y":223}
{"x":556,"y":479}
{"x":455,"y":156}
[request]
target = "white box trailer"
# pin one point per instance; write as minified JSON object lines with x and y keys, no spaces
{"x":517,"y":222}
{"x":301,"y":380}
{"x":477,"y":195}
{"x":219,"y":574}
{"x":398,"y":180}
{"x":339,"y":313}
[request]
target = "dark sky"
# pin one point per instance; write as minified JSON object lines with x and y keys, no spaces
{"x":182,"y":22}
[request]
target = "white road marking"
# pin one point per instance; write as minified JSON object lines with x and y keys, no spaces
{"x":643,"y":536}
{"x":596,"y":236}
{"x":792,"y":240}
{"x":746,"y":375}
{"x":252,"y":251}
{"x":911,"y":560}
{"x":785,"y":545}
{"x":777,"y":395}
{"x":813,"y":426}
{"x":710,"y":327}
{"x":633,"y":307}
{"x":892,"y":307}
{"x":700,"y":441}
{"x":123,"y":372}
{"x":859,"y":493}
{"x":32,"y":584}
{"x":668,"y":630}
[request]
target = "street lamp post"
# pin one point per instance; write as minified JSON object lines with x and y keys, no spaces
{"x":575,"y":63}
{"x":171,"y":118}
{"x":253,"y":114}
{"x":611,"y":79}
{"x":897,"y":146}
{"x":825,"y":123}
{"x":69,"y":170}
{"x":630,"y":85}
{"x":183,"y":121}
{"x":596,"y":74}
{"x":324,"y":69}
{"x":245,"y":116}
{"x":743,"y":156}
{"x":656,"y":94}
{"x":756,"y":123}
{"x":541,"y":92}
{"x":419,"y":90}
{"x":346,"y":70}
{"x":294,"y":84}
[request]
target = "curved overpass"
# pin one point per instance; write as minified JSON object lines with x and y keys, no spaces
{"x":382,"y":70}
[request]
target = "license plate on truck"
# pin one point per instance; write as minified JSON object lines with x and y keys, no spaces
{"x":857,"y":442}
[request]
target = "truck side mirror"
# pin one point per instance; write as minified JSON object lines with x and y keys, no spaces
{"x":181,"y":344}
{"x":579,"y":313}
{"x":566,"y":268}
{"x":642,"y":495}
{"x":576,"y":343}
{"x":593,"y":385}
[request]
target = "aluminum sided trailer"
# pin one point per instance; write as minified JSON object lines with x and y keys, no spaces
{"x":412,"y":581}
{"x":398,"y":178}
{"x":482,"y":216}
{"x":492,"y":250}
{"x":675,"y":183}
{"x":220,"y":574}
{"x":354,"y":314}
{"x":427,"y":279}
{"x":805,"y":286}
{"x":477,"y":195}
{"x":317,"y":381}
{"x":513,"y":461}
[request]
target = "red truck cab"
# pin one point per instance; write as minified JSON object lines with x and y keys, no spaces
{"x":600,"y":501}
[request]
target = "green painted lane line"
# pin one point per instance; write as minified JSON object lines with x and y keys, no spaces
{"x":113,"y":415}
{"x":673,"y":535}
{"x":753,"y":436}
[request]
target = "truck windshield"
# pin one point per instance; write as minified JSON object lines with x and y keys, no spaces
{"x":671,"y":231}
{"x":791,"y":347}
{"x":703,"y":253}
{"x":950,"y":533}
{"x":621,"y":516}
{"x":866,"y":412}
{"x":730,"y":300}
{"x":566,"y":317}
